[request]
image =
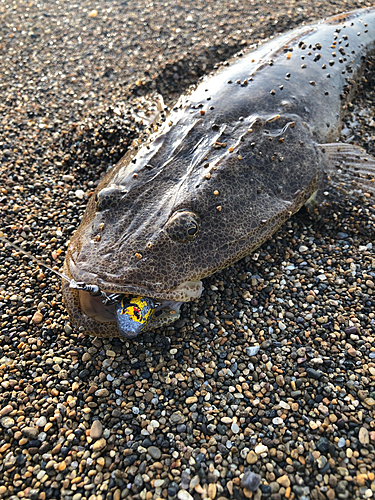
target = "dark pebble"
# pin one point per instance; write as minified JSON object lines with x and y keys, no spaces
{"x":138,"y":482}
{"x":33,"y":494}
{"x":129,"y":460}
{"x":250,"y":480}
{"x":311,"y":373}
{"x":172,"y":490}
{"x":323,"y":445}
{"x":351,"y":330}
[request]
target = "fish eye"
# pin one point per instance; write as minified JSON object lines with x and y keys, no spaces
{"x":183,"y":226}
{"x":96,"y":198}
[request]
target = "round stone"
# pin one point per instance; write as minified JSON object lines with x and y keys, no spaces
{"x":260,"y":448}
{"x":277,"y":421}
{"x":251,"y":457}
{"x":184,"y":495}
{"x":234,"y":428}
{"x":177,"y":418}
{"x":99,"y":445}
{"x":7,"y":422}
{"x":96,"y":429}
{"x":321,"y":461}
{"x":154,"y":452}
{"x":322,"y":445}
{"x":41,"y":422}
{"x":363,"y":436}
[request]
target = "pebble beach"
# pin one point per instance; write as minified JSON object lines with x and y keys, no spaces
{"x":265,"y":387}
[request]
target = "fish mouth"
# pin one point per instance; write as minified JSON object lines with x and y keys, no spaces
{"x":91,"y":315}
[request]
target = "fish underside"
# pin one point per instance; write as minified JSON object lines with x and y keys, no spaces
{"x":231,"y":162}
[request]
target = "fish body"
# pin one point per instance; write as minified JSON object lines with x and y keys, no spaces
{"x":233,"y":160}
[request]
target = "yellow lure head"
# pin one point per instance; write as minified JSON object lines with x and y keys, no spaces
{"x":133,"y":314}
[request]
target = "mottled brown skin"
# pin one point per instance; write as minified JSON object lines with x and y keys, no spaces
{"x":271,"y":108}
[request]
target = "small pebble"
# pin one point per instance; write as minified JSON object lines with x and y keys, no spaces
{"x":251,"y":481}
{"x":96,"y":429}
{"x":322,"y":460}
{"x":37,"y":317}
{"x":234,"y":428}
{"x":41,"y":422}
{"x":30,"y":432}
{"x":80,"y":194}
{"x":363,"y":436}
{"x":99,"y":445}
{"x":284,"y":481}
{"x":7,"y":409}
{"x":7,"y":422}
{"x":154,"y":452}
{"x":184,"y":495}
{"x":252,"y":457}
{"x":341,"y":442}
{"x":277,"y":421}
{"x":260,"y":448}
{"x":253,"y":350}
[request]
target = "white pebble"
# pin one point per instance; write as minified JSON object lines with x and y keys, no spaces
{"x":41,"y":422}
{"x":234,"y":428}
{"x":253,"y":350}
{"x":184,"y":495}
{"x":68,"y":178}
{"x":341,"y":442}
{"x":260,"y":448}
{"x":42,"y":436}
{"x":80,"y":194}
{"x":277,"y":421}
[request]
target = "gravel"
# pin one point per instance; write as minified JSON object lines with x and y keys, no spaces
{"x":265,"y":388}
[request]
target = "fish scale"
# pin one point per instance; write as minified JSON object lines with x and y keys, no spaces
{"x":233,"y":160}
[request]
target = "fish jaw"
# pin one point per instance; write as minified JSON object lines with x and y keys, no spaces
{"x":81,"y":320}
{"x":89,"y":314}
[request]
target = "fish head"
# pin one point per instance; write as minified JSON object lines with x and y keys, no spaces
{"x":191,"y":202}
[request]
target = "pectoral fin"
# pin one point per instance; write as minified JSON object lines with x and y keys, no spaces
{"x":350,"y":168}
